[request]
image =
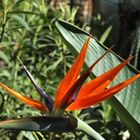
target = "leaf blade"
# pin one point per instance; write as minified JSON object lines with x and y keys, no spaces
{"x":74,"y":37}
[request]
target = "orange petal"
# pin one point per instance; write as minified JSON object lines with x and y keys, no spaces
{"x":102,"y":81}
{"x":100,"y":96}
{"x":74,"y":90}
{"x":34,"y":103}
{"x":72,"y":75}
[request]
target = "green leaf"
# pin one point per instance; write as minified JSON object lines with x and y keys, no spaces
{"x":41,"y":123}
{"x":126,"y":104}
{"x":21,"y":21}
{"x":4,"y":57}
{"x":105,"y":34}
{"x":81,"y":125}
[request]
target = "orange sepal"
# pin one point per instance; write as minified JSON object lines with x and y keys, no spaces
{"x":101,"y":82}
{"x":34,"y":103}
{"x":74,"y":90}
{"x":98,"y":97}
{"x":71,"y":76}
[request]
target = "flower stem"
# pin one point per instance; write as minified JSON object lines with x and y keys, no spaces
{"x":52,"y":135}
{"x":2,"y":32}
{"x":4,"y":21}
{"x":87,"y":129}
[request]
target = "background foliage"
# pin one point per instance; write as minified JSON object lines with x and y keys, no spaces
{"x":27,"y":30}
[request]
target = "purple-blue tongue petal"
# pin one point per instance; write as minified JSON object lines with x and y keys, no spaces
{"x":48,"y":99}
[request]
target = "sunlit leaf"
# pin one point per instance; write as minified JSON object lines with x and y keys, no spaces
{"x":4,"y":57}
{"x":105,"y":34}
{"x":126,"y":104}
{"x":21,"y":21}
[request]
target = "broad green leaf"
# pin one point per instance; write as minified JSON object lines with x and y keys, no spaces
{"x":40,"y":123}
{"x":126,"y":103}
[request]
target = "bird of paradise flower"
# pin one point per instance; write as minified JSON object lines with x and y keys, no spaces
{"x":73,"y":93}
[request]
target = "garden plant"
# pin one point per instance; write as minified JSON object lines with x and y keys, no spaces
{"x":72,"y":72}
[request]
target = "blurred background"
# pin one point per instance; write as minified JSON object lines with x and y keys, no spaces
{"x":122,"y":15}
{"x":27,"y":30}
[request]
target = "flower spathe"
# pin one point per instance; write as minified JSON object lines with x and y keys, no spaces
{"x":72,"y":93}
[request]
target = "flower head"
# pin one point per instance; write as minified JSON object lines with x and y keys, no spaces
{"x":72,"y":92}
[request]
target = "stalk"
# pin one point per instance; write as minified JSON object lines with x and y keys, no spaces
{"x":87,"y":129}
